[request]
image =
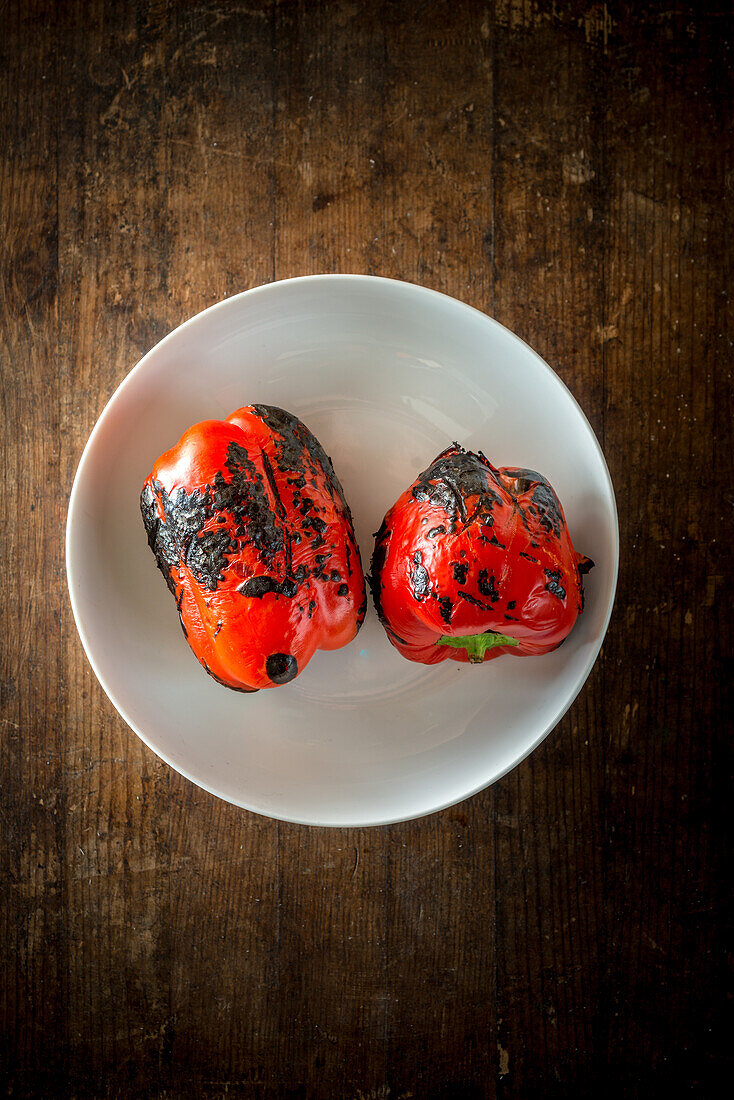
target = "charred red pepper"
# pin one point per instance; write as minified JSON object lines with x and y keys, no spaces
{"x":250,"y":528}
{"x":472,"y":562}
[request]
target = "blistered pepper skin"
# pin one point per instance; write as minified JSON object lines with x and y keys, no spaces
{"x":250,"y":528}
{"x":470,"y":557}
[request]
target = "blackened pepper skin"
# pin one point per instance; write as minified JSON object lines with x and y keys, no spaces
{"x":473,"y":562}
{"x":250,"y":528}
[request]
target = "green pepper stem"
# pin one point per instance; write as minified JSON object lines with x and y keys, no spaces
{"x":476,"y":645}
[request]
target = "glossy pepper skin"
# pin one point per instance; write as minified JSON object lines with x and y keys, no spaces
{"x":250,"y":528}
{"x":472,"y":562}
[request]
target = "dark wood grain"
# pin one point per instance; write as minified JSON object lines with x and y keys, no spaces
{"x":668,"y":406}
{"x":32,"y":763}
{"x":567,"y":169}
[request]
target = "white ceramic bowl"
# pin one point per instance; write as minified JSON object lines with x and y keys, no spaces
{"x":386,"y":374}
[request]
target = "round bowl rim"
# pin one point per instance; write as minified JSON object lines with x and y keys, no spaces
{"x":403,"y":287}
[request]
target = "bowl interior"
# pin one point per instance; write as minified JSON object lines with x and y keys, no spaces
{"x":385,"y":374}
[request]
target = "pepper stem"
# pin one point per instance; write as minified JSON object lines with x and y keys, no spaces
{"x":476,"y":645}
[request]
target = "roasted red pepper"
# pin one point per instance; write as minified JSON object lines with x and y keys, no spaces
{"x":250,"y":528}
{"x":472,"y":562}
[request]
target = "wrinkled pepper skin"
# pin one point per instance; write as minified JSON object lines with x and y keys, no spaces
{"x":250,"y":528}
{"x":473,"y":562}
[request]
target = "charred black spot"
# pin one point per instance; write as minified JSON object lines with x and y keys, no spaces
{"x":494,"y":541}
{"x":299,"y":454}
{"x":270,"y":474}
{"x":473,"y":600}
{"x":549,"y":508}
{"x":441,"y":495}
{"x":554,"y":585}
{"x":315,"y":523}
{"x":480,"y":513}
{"x":343,"y":590}
{"x":335,"y":575}
{"x":440,"y":530}
{"x":512,"y":618}
{"x":379,"y":554}
{"x":522,"y":484}
{"x":281,"y":667}
{"x":511,"y":605}
{"x":376,"y":566}
{"x":361,"y":611}
{"x":206,"y":556}
{"x":454,"y":477}
{"x":487,"y":585}
{"x":257,"y":587}
{"x":296,"y":444}
{"x":180,"y":538}
{"x":461,"y":571}
{"x":245,"y":497}
{"x":585,"y":565}
{"x":151,"y":521}
{"x":419,"y":577}
{"x":311,"y":607}
{"x":528,"y":557}
{"x":446,"y":607}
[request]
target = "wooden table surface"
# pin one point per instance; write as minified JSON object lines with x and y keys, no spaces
{"x":567,"y":169}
